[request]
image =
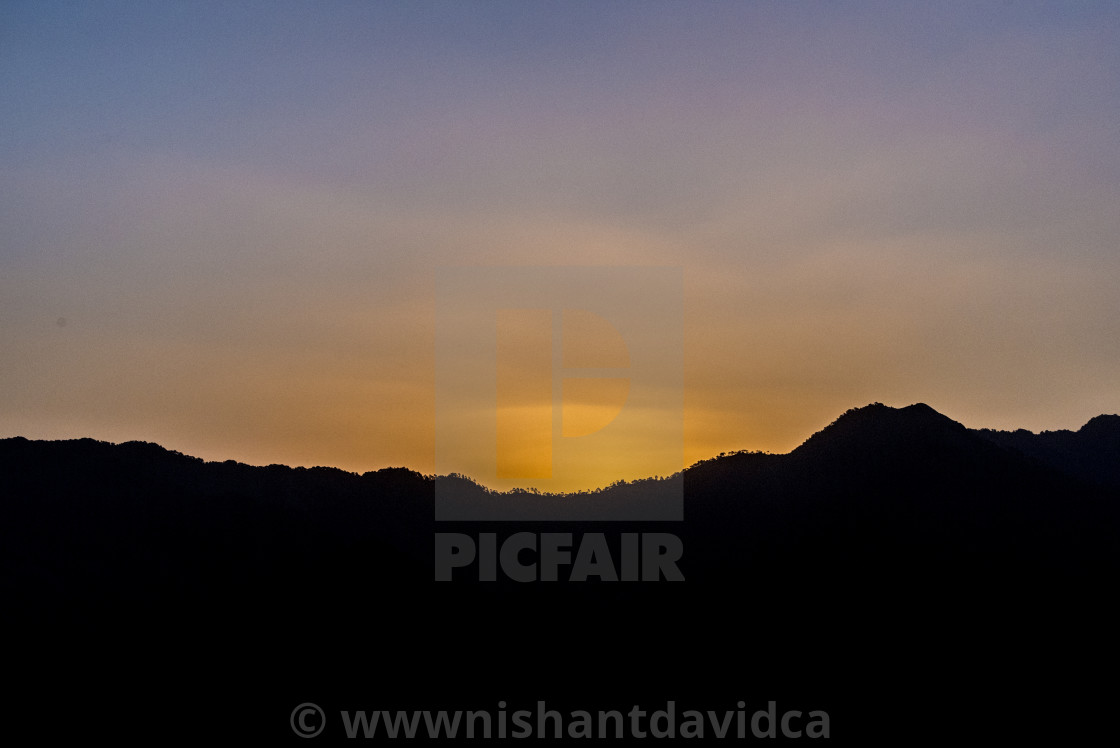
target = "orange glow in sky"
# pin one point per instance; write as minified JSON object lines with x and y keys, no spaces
{"x":220,"y":231}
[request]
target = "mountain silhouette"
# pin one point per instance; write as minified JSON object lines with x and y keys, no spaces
{"x":868,"y":570}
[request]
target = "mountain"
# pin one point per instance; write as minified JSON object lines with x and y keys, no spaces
{"x":910,"y":493}
{"x":1090,"y":453}
{"x":872,"y":570}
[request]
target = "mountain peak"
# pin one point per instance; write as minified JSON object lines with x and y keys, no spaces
{"x":878,"y":426}
{"x":1101,"y":426}
{"x":885,"y":416}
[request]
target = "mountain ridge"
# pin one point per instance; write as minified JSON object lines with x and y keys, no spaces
{"x":909,"y":482}
{"x":887,"y":423}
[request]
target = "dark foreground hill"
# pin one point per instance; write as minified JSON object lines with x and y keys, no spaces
{"x":916,"y":578}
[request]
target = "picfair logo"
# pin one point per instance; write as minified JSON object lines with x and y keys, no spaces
{"x":560,"y":380}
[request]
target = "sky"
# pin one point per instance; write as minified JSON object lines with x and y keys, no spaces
{"x":221,"y":223}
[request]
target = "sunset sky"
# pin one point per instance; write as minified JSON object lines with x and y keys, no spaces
{"x":221,"y":223}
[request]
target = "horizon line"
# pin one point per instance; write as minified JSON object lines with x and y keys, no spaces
{"x":529,"y":489}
